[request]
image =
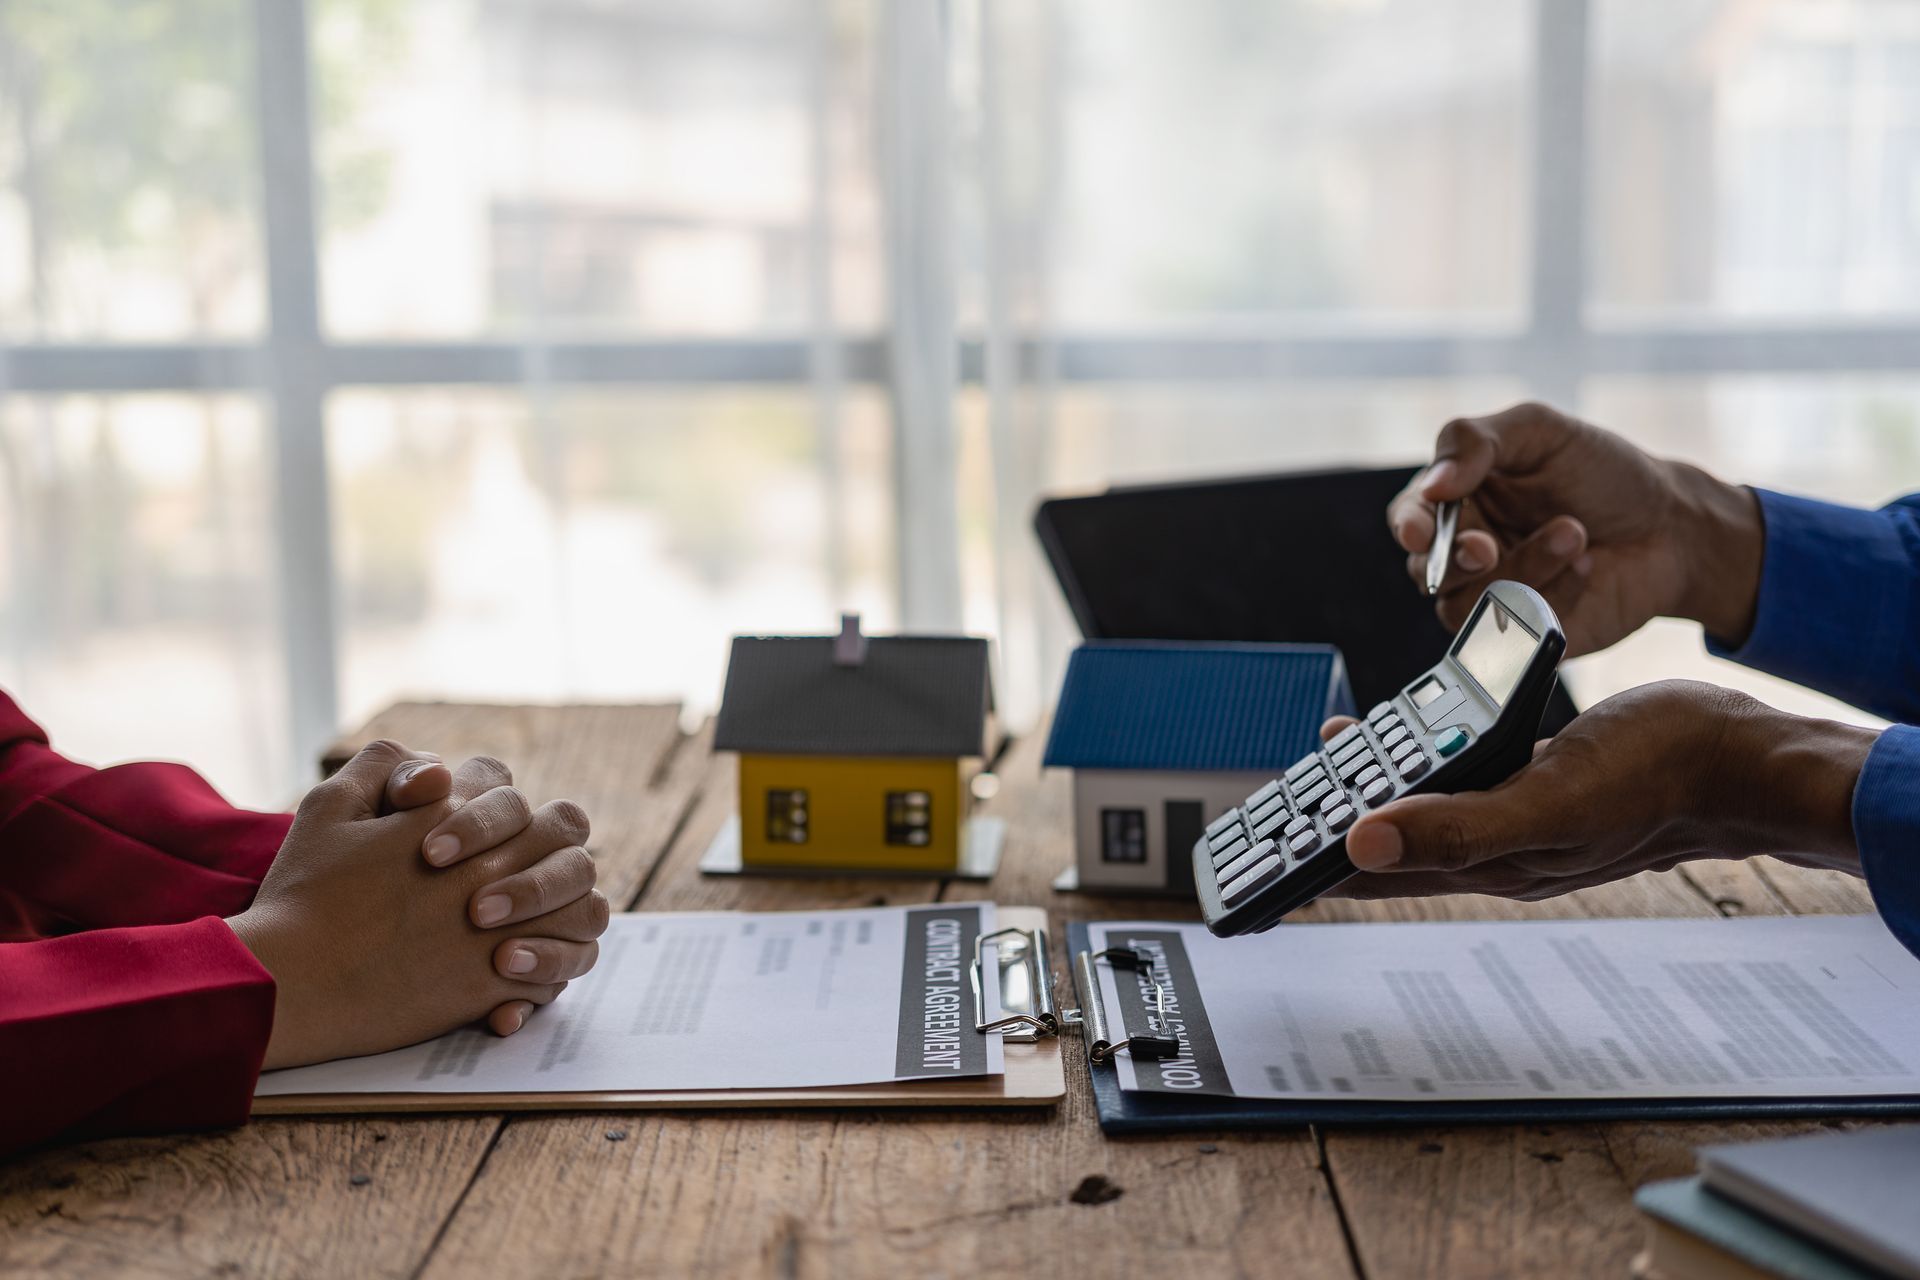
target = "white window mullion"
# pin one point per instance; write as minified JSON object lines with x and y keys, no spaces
{"x":826,"y":363}
{"x":296,"y":377}
{"x":923,"y":372}
{"x":1562,"y":73}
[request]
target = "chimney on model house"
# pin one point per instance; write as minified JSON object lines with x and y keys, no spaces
{"x":849,"y":647}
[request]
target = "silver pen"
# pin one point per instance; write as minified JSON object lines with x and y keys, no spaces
{"x":1446,"y":520}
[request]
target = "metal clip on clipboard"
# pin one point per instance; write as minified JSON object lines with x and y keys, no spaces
{"x":1155,"y":1043}
{"x":1026,"y":986}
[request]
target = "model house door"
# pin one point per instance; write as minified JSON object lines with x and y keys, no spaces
{"x":1185,"y":821}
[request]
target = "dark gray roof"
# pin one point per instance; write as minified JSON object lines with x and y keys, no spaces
{"x":913,"y":696}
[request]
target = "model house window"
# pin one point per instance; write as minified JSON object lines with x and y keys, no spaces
{"x":787,"y":817}
{"x":1123,"y":835}
{"x":909,"y":817}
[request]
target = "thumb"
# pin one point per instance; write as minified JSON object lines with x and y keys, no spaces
{"x":360,"y":787}
{"x":1451,"y":833}
{"x":1334,"y":725}
{"x":420,"y":781}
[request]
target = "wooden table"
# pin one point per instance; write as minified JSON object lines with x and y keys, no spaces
{"x":860,"y":1193}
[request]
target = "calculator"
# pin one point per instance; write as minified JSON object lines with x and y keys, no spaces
{"x":1465,"y":725}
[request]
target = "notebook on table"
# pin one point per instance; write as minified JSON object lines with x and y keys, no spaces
{"x":1856,"y":1193}
{"x":1693,"y":1234}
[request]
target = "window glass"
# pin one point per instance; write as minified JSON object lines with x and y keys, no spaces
{"x":909,"y":817}
{"x":137,"y":611}
{"x":549,"y":164}
{"x":1757,"y":159}
{"x":128,"y":177}
{"x":596,"y":543}
{"x":1123,"y":835}
{"x":787,"y":817}
{"x":1222,"y":158}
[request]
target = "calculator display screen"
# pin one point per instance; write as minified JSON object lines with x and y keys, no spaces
{"x":1496,"y":650}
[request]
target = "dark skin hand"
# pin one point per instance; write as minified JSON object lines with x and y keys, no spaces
{"x":488,"y":810}
{"x":1611,"y":536}
{"x":1646,"y":780}
{"x":1652,"y":777}
{"x":371,"y":947}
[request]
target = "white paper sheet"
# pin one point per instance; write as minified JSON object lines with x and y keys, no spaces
{"x":1804,"y":1006}
{"x":786,"y":999}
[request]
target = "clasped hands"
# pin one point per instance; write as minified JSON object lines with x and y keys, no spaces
{"x":410,"y":899}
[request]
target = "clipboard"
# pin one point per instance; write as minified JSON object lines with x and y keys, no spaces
{"x":1028,"y":1026}
{"x":1121,"y":1112}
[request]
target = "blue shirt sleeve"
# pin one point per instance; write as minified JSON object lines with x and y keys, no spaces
{"x":1839,"y":611}
{"x":1839,"y":603}
{"x":1886,"y":826}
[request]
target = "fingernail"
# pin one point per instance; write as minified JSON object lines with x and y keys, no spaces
{"x":1440,"y":475}
{"x":521,"y":961}
{"x":492,"y":909}
{"x":1470,"y":558}
{"x":1583,"y":566}
{"x":519,"y":1019}
{"x":1372,"y":846}
{"x":442,"y":849}
{"x":1403,"y":534}
{"x":1563,"y":541}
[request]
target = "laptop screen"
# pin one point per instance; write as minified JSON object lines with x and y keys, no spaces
{"x":1304,"y":558}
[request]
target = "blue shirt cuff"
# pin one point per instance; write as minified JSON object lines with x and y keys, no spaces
{"x":1834,"y":596}
{"x":1886,"y":827}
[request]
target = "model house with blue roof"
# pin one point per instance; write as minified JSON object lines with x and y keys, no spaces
{"x":1164,"y":736}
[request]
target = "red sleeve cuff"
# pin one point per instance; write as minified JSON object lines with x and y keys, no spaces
{"x":130,"y":1030}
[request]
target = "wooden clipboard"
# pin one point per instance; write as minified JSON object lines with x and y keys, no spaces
{"x":1033,"y":1077}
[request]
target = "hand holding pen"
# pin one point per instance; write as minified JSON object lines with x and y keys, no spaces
{"x":1608,"y":534}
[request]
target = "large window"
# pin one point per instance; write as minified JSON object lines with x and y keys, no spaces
{"x":356,"y":349}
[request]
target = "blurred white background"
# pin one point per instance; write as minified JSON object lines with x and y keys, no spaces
{"x":526,"y":349}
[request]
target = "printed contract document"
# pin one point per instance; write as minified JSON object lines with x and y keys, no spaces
{"x":1802,"y":1006}
{"x":771,"y":1000}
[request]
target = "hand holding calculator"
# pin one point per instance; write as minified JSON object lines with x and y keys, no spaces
{"x":1466,"y":724}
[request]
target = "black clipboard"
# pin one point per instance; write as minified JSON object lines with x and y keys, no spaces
{"x":1121,"y":1112}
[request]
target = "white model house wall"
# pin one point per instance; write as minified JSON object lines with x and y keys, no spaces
{"x":1148,"y":791}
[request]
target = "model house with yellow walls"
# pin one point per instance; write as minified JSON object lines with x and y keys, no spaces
{"x":856,"y":752}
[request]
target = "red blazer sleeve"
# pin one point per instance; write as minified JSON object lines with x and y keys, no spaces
{"x":123,"y":1005}
{"x":129,"y":1031}
{"x":150,"y":843}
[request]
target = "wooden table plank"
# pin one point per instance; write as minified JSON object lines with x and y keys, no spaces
{"x":280,"y":1196}
{"x":337,"y":1197}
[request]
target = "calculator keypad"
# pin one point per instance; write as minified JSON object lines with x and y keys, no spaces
{"x":1288,"y":821}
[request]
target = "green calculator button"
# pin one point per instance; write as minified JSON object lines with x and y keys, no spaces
{"x":1451,"y":741}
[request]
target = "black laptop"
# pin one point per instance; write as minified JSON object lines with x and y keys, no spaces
{"x":1302,"y":558}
